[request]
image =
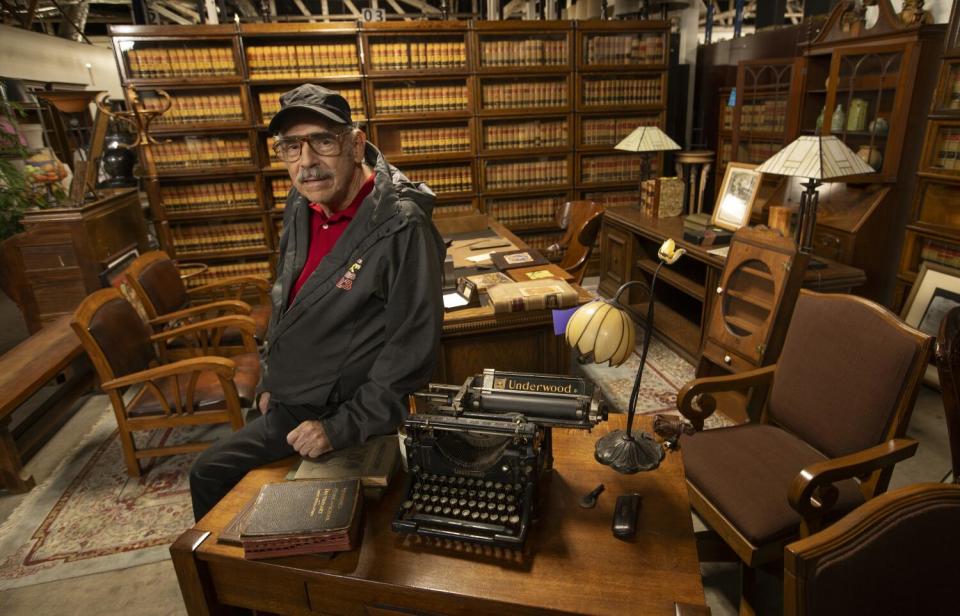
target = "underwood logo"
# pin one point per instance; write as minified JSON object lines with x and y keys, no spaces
{"x":346,"y":281}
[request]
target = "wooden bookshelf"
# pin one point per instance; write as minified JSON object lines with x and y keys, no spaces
{"x":933,"y":233}
{"x":496,"y":117}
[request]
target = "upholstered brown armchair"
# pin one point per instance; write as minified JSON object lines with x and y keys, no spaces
{"x":895,"y":555}
{"x":581,"y":222}
{"x":948,"y":368}
{"x":156,"y":280}
{"x":203,"y":389}
{"x":835,"y":408}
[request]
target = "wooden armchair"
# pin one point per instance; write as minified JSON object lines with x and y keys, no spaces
{"x":948,"y":368}
{"x":204,"y":389}
{"x":835,"y":408}
{"x":581,"y":220}
{"x":167,"y":301}
{"x":895,"y":555}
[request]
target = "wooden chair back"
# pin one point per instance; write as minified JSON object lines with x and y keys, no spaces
{"x":897,"y":554}
{"x":113,"y":334}
{"x":948,"y":368}
{"x":581,"y":219}
{"x":156,"y":280}
{"x":826,"y":389}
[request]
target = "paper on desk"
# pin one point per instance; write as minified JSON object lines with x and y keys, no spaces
{"x":479,"y":258}
{"x":720,"y":252}
{"x":453,"y":300}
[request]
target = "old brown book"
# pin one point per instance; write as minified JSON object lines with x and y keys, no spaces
{"x":303,"y":517}
{"x":532,"y":295}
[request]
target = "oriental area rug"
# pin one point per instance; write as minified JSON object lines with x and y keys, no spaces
{"x":90,"y":517}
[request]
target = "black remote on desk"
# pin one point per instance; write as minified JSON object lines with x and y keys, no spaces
{"x":625,"y":516}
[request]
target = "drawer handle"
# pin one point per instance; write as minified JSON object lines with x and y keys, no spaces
{"x":719,"y":290}
{"x":828,"y":241}
{"x":727,"y":359}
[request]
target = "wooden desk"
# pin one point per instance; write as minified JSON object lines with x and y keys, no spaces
{"x":24,"y":369}
{"x":476,"y":338}
{"x":573,"y":566}
{"x":628,"y":251}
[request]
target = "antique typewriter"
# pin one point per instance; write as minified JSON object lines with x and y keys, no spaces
{"x":475,"y":457}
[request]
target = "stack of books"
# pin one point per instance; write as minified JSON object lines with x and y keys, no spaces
{"x":698,"y":230}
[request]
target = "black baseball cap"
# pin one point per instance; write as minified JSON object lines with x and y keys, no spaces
{"x":317,"y":99}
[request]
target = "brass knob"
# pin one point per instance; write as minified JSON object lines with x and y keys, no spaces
{"x":727,"y":359}
{"x":719,"y":290}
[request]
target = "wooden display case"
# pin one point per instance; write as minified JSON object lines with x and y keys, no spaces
{"x":933,"y":232}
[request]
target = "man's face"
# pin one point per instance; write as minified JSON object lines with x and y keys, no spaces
{"x":325,"y":179}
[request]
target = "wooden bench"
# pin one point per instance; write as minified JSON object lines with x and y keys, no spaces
{"x":52,"y":353}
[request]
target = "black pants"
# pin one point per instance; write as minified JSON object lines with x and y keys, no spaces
{"x":223,"y":464}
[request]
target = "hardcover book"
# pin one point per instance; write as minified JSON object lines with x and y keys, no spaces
{"x":517,"y":258}
{"x":372,"y":463}
{"x":303,"y":517}
{"x":532,"y":295}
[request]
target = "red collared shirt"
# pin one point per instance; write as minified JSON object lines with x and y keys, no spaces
{"x":325,"y":231}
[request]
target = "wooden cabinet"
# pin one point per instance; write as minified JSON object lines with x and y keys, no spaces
{"x":63,"y":250}
{"x":933,"y":232}
{"x":512,"y":118}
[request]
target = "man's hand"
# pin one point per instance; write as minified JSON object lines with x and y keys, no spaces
{"x":264,"y":403}
{"x":309,"y":439}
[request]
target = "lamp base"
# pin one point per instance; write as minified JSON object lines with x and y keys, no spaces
{"x":628,"y":454}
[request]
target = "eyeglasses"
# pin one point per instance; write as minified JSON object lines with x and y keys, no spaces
{"x":289,"y":149}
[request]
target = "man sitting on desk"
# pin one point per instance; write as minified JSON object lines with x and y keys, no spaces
{"x":357,"y":305}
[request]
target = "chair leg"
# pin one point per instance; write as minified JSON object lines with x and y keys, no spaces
{"x":129,"y":454}
{"x":748,"y":589}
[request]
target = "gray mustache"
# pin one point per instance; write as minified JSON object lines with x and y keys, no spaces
{"x":313,"y":173}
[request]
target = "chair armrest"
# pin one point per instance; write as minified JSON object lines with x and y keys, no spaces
{"x":813,"y":493}
{"x":261,"y":284}
{"x":222,"y":366}
{"x":226,"y":306}
{"x":208,"y":334}
{"x":698,"y":391}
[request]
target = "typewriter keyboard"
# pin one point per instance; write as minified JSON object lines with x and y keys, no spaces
{"x":471,"y":509}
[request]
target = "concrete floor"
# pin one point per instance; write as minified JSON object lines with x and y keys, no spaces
{"x":152,"y":589}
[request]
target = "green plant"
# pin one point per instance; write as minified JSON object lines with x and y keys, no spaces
{"x":18,"y":192}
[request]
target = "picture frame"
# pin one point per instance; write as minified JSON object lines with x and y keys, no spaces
{"x":734,"y":204}
{"x":935,"y":291}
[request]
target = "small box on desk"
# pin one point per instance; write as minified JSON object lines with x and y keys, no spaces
{"x":661,"y":197}
{"x":707,"y":236}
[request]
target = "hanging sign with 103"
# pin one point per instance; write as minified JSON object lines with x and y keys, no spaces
{"x":369,"y":14}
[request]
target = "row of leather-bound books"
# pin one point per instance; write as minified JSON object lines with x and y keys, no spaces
{"x":542,"y":241}
{"x":768,"y":115}
{"x":526,"y":134}
{"x":280,"y":188}
{"x":455,"y":209}
{"x":940,"y":252}
{"x":442,"y":179}
{"x":614,"y":198}
{"x":626,"y":91}
{"x":526,"y":173}
{"x":209,"y":197}
{"x":397,"y":56}
{"x":293,"y":61}
{"x":213,"y":273}
{"x":212,"y":237}
{"x":947,"y":155}
{"x":435,"y":139}
{"x":417,"y":99}
{"x":523,"y":52}
{"x":270,"y":102}
{"x":201,"y":152}
{"x":612,"y":168}
{"x":525,"y":211}
{"x":610,"y":131}
{"x":757,"y":151}
{"x":197,"y":108}
{"x":624,"y":49}
{"x":525,"y":93}
{"x":160,"y":62}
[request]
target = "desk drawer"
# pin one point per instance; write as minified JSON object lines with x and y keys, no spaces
{"x":833,"y":245}
{"x":48,"y":256}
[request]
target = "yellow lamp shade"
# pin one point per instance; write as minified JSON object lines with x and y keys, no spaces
{"x":602,"y":330}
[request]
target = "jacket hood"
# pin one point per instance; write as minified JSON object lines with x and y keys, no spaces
{"x":394,"y":185}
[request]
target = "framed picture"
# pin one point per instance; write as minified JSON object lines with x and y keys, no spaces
{"x":735,"y":199}
{"x":935,"y":291}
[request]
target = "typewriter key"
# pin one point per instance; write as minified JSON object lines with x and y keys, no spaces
{"x":491,"y":506}
{"x":434,"y":498}
{"x":444,"y":500}
{"x":511,"y":508}
{"x":494,"y":517}
{"x":501,"y":496}
{"x":472,"y":504}
{"x":484,"y":516}
{"x":407,"y":504}
{"x":501,"y":507}
{"x":474,"y":515}
{"x":498,"y":486}
{"x":488,"y":484}
{"x":455,"y":512}
{"x":514,"y":519}
{"x":428,"y":509}
{"x":446,"y":511}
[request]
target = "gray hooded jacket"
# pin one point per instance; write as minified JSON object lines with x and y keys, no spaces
{"x":364,"y":330}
